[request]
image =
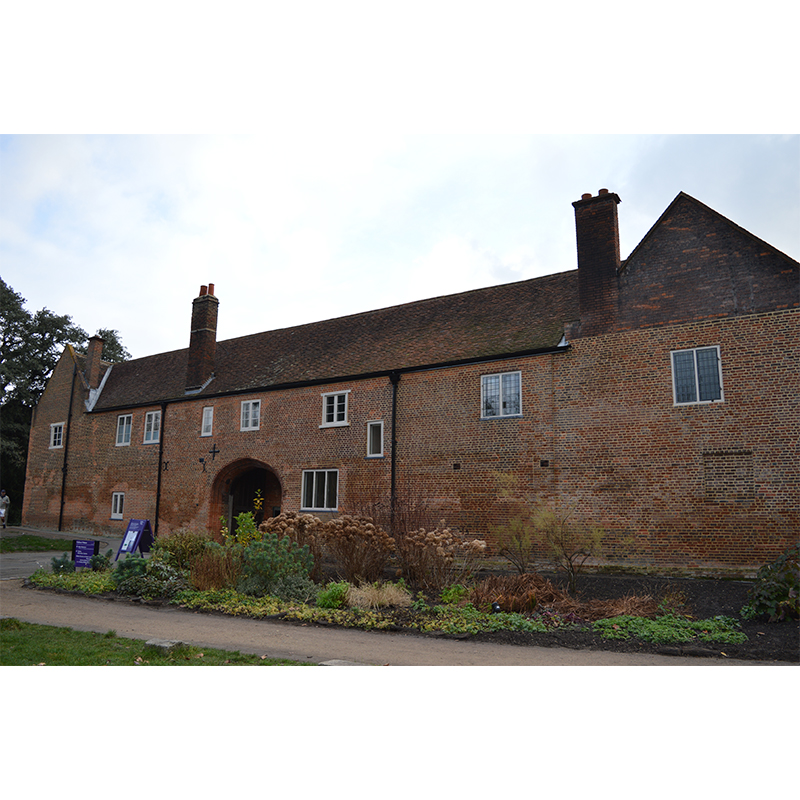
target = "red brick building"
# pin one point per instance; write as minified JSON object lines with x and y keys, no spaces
{"x":658,"y":396}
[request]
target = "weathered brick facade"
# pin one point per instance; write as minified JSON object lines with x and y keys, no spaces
{"x":595,"y":424}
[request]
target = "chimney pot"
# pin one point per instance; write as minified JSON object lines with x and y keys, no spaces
{"x":203,"y":291}
{"x":586,"y":196}
{"x":211,"y":288}
{"x":603,"y":191}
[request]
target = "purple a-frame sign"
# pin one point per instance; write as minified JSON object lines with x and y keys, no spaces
{"x":138,"y":535}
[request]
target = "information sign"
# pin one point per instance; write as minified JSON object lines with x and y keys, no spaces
{"x":83,"y":550}
{"x":138,"y":535}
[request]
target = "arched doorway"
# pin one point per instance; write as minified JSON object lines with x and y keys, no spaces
{"x":238,"y":485}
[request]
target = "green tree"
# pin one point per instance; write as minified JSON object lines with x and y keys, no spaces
{"x":30,"y":346}
{"x":113,"y":349}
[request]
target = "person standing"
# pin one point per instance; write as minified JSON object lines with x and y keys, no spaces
{"x":5,"y":502}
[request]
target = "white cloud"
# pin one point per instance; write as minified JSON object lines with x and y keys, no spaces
{"x":121,"y":231}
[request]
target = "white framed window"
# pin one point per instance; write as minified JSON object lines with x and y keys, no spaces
{"x":320,"y":490}
{"x":56,"y":435}
{"x":251,"y":415}
{"x":375,"y":439}
{"x":124,"y":422}
{"x":207,"y":425}
{"x":501,"y":395}
{"x":334,"y":409}
{"x":117,"y":505}
{"x":152,"y":427}
{"x":696,"y":376}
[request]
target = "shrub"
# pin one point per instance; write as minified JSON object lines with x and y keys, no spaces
{"x":570,"y":544}
{"x":302,"y":529}
{"x":454,"y":594}
{"x":294,"y":588}
{"x":267,"y":562}
{"x":379,"y":595}
{"x":776,"y":591}
{"x":430,"y":560}
{"x":513,"y":593}
{"x":517,"y":543}
{"x":128,"y":572}
{"x":360,"y":548}
{"x":334,"y":595}
{"x":62,"y":564}
{"x":245,"y":530}
{"x":100,"y":563}
{"x":180,"y":548}
{"x":217,"y":567}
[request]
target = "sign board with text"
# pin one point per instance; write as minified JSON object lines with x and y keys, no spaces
{"x":139,"y":535}
{"x":82,"y":552}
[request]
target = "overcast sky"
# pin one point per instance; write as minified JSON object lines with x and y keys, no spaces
{"x":121,"y":231}
{"x":388,"y":153}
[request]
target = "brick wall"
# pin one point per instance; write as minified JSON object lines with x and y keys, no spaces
{"x":696,"y":265}
{"x":699,"y":485}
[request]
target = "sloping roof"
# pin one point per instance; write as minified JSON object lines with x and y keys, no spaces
{"x":499,"y":320}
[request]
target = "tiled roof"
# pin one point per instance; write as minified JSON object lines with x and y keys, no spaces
{"x":499,"y":320}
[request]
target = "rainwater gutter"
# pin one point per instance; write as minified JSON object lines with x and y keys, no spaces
{"x":66,"y":448}
{"x":160,"y":464}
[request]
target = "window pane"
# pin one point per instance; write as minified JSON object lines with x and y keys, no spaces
{"x":330,"y":495}
{"x":491,"y":396}
{"x":375,"y":439}
{"x":708,"y":374}
{"x":683,"y":372}
{"x":340,"y":407}
{"x":308,"y":490}
{"x":511,"y":393}
{"x":319,"y":490}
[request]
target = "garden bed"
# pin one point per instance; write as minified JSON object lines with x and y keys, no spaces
{"x":703,"y":599}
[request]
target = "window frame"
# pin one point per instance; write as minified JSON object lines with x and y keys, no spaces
{"x":336,"y":423}
{"x":208,"y":411}
{"x":326,"y":490}
{"x":500,"y":376}
{"x":117,"y":498}
{"x":57,"y":426}
{"x":124,"y":439}
{"x":153,"y":420}
{"x":370,"y":425}
{"x":698,"y":391}
{"x":250,"y":404}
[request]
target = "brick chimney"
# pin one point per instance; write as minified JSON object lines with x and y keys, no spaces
{"x":203,"y":341}
{"x":597,"y":231}
{"x":93,"y":357}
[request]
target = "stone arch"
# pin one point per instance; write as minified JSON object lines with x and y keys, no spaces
{"x":234,"y":490}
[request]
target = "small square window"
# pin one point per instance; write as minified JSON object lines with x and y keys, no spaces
{"x":696,"y":376}
{"x":117,"y":505}
{"x":152,"y":427}
{"x":320,"y":490}
{"x":334,"y":409}
{"x":501,"y":395}
{"x":207,"y":425}
{"x":124,"y":422}
{"x":251,"y":415}
{"x":56,"y":435}
{"x":374,"y":439}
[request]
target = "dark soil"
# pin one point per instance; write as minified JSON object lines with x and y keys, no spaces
{"x":767,"y":641}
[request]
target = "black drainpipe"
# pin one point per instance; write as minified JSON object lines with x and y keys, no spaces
{"x":160,"y":464}
{"x":394,"y":377}
{"x":66,"y":448}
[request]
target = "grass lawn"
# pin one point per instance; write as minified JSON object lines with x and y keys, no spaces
{"x":26,"y":543}
{"x":25,"y":644}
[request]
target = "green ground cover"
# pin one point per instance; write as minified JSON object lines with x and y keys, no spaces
{"x":25,"y":644}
